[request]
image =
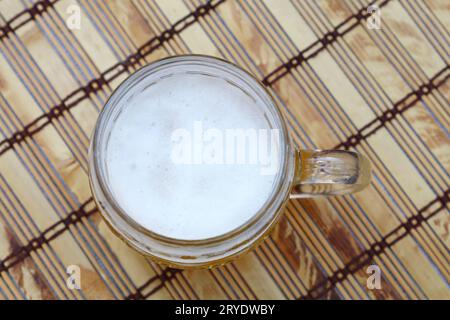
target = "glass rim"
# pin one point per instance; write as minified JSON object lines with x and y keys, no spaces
{"x":114,"y":99}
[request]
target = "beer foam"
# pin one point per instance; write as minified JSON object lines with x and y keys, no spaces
{"x":184,"y":201}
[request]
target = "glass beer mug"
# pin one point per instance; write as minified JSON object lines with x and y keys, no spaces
{"x":300,"y":174}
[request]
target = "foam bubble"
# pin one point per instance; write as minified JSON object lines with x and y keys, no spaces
{"x":178,"y":200}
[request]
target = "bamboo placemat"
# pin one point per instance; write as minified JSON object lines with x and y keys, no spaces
{"x":341,"y":84}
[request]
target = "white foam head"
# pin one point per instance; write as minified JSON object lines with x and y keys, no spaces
{"x":184,"y":201}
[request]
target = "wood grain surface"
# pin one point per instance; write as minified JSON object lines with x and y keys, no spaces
{"x":382,"y":92}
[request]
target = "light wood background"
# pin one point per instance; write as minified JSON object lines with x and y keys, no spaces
{"x":384,"y":93}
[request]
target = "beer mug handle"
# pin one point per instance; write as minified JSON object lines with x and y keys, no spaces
{"x":329,"y":172}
